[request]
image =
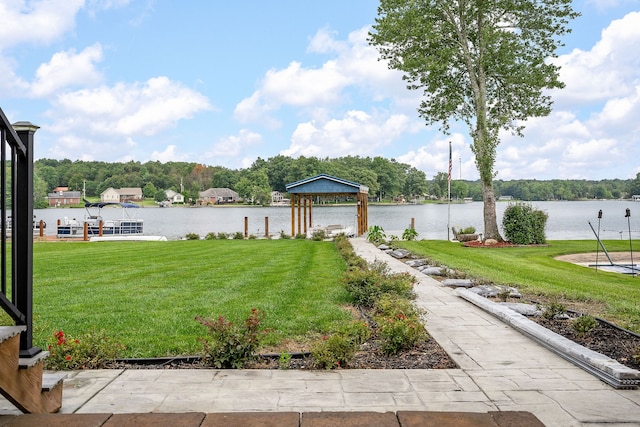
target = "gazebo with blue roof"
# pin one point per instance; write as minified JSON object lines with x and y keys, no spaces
{"x":303,"y":191}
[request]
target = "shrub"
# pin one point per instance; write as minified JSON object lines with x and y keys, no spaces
{"x":409,"y":234}
{"x":376,"y":234}
{"x":284,"y":235}
{"x":553,"y":309}
{"x":301,"y":236}
{"x":192,"y":236}
{"x":348,"y":254}
{"x":228,"y":345}
{"x":318,"y":235}
{"x":399,"y":325}
{"x":92,"y":350}
{"x":366,"y":285}
{"x":284,"y":360}
{"x":337,"y":349}
{"x":238,"y":235}
{"x":468,"y":230}
{"x":584,"y":324}
{"x":223,"y":236}
{"x":210,"y":236}
{"x":524,"y":225}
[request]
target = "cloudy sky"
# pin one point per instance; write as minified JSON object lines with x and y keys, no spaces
{"x":225,"y":82}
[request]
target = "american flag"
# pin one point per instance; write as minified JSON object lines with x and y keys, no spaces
{"x":449,"y":176}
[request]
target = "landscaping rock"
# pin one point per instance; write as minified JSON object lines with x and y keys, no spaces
{"x":490,"y":291}
{"x":490,"y":242}
{"x":528,"y":310}
{"x":383,"y":247}
{"x":415,"y":263}
{"x":458,"y":283}
{"x":399,"y":253}
{"x":486,"y":291}
{"x":435,"y":271}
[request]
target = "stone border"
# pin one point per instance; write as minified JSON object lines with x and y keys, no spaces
{"x":608,"y":370}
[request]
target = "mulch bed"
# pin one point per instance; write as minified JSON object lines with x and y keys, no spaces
{"x":427,"y":355}
{"x":605,"y":339}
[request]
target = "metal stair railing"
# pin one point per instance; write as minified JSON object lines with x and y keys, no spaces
{"x":16,"y":251}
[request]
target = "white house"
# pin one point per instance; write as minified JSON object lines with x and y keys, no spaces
{"x":110,"y":195}
{"x":174,"y":197}
{"x":121,"y":195}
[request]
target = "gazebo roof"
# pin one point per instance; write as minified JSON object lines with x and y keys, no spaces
{"x":326,"y":184}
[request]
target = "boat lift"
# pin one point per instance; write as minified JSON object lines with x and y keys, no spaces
{"x":621,"y":268}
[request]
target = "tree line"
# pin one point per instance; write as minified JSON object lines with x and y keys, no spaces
{"x":387,"y":179}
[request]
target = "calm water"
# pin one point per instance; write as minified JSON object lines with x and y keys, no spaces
{"x":567,"y":220}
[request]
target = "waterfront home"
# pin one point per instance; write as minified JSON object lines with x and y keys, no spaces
{"x":61,"y":196}
{"x":174,"y":197}
{"x":121,"y":195}
{"x":217,"y":196}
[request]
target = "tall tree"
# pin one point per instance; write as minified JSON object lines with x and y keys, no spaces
{"x":484,"y":62}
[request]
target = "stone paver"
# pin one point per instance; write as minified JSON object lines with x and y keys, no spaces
{"x":500,"y":370}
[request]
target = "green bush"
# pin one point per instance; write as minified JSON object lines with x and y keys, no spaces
{"x":409,"y":234}
{"x":468,"y":230}
{"x":223,"y":236}
{"x":192,"y":236}
{"x":337,"y":349}
{"x":524,"y":225}
{"x":92,"y":350}
{"x":366,"y":285}
{"x":375,"y":234}
{"x":238,"y":235}
{"x":318,"y":235}
{"x":210,"y":236}
{"x":228,"y":345}
{"x":553,"y":309}
{"x":584,"y":324}
{"x":300,"y":236}
{"x":399,"y":324}
{"x":284,"y":235}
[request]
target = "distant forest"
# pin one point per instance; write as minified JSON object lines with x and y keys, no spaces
{"x":388,"y":180}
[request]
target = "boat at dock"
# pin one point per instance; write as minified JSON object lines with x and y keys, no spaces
{"x":96,"y":225}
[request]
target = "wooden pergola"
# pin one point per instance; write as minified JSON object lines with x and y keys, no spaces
{"x":303,"y":191}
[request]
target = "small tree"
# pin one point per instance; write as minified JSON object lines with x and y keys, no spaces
{"x":481,"y":62}
{"x":524,"y":225}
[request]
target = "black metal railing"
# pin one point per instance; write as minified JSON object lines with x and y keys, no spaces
{"x":16,"y":253}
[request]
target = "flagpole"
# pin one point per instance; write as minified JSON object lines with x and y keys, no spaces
{"x":449,"y":195}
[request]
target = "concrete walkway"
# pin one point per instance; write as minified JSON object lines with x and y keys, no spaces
{"x":500,"y":370}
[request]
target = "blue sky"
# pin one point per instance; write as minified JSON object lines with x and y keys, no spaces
{"x":222,"y":83}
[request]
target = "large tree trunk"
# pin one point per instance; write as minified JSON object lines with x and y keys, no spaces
{"x":490,"y":218}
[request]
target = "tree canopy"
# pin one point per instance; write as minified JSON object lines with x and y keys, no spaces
{"x":482,"y":62}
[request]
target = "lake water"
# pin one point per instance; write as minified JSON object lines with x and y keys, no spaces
{"x":567,"y":220}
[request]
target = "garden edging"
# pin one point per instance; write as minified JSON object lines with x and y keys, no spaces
{"x":608,"y":370}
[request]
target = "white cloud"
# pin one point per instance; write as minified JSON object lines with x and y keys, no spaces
{"x":357,"y":133}
{"x":68,"y":69}
{"x":35,"y":21}
{"x":434,"y":157}
{"x":355,"y":67}
{"x":234,"y":145}
{"x":101,"y":123}
{"x":11,"y":84}
{"x":608,"y":69}
{"x":127,"y":109}
{"x":170,"y":154}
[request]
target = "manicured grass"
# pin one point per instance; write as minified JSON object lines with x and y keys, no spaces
{"x":535,"y":271}
{"x":147,"y":294}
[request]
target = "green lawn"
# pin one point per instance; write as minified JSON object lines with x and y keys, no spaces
{"x":147,"y":294}
{"x":535,"y":271}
